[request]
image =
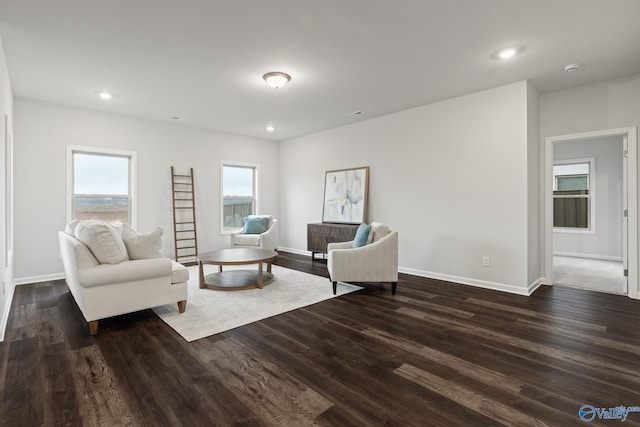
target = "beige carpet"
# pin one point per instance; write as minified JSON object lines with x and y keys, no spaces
{"x":210,"y":312}
{"x":590,"y":274}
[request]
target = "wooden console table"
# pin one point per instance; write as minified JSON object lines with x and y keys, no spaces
{"x":321,"y":234}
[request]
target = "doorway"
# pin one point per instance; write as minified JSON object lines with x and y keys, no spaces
{"x":591,"y":211}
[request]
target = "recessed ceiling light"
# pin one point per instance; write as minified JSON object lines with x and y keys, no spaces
{"x":354,"y":113}
{"x":571,"y":67}
{"x":270,"y":128}
{"x":507,"y":53}
{"x":105,"y":95}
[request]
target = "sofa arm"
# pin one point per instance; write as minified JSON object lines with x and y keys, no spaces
{"x":339,"y":245}
{"x":232,"y":236}
{"x":126,"y":271}
{"x":269,"y":239}
{"x":376,"y":262}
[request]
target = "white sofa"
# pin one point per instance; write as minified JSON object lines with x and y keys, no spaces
{"x":265,"y":240}
{"x":377,"y":261}
{"x":105,"y":289}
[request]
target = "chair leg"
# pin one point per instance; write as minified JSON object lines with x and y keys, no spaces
{"x":182,"y":306}
{"x":393,"y":287}
{"x":93,"y":327}
{"x":335,"y":287}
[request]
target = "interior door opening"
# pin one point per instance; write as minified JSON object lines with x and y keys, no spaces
{"x":591,"y":198}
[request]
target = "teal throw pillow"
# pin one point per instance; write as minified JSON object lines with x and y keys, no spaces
{"x":255,"y":225}
{"x":362,"y":235}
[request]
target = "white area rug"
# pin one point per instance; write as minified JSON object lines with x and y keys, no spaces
{"x":210,"y":312}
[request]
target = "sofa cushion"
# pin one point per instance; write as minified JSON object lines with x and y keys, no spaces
{"x":246,"y":240}
{"x":179,"y":273}
{"x":139,"y":270}
{"x":362,"y":236}
{"x":255,"y":225}
{"x":103,"y":241}
{"x":142,"y":246}
{"x":378,"y":231}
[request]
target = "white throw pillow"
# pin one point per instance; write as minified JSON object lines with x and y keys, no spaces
{"x":70,"y":228}
{"x":102,"y":240}
{"x":143,"y":246}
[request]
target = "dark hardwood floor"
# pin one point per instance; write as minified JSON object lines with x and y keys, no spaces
{"x":435,"y":354}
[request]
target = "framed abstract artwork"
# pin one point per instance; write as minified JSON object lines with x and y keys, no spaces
{"x":345,"y":196}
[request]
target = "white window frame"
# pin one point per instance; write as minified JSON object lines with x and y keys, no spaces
{"x":133,"y":173}
{"x":592,"y":196}
{"x":256,"y":187}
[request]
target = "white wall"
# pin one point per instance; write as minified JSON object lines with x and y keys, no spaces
{"x":606,"y":105}
{"x":42,"y":132}
{"x":606,"y":243}
{"x":6,"y":249}
{"x":451,"y":177}
{"x":534,"y":181}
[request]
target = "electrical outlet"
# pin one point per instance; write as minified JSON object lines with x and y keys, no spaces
{"x":486,"y":261}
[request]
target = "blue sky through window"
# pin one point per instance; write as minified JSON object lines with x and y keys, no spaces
{"x":100,"y":174}
{"x":237,"y":181}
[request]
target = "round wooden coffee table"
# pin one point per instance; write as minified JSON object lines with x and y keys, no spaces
{"x":234,"y":280}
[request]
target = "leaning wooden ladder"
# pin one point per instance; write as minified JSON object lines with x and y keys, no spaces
{"x":184,"y":218}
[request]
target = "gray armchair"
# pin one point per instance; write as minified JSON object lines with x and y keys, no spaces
{"x":374,"y":262}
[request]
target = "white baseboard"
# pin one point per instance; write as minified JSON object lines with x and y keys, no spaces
{"x":589,"y":256}
{"x":455,"y":279}
{"x":38,"y":279}
{"x":536,"y":284}
{"x":295,"y":251}
{"x":474,"y":282}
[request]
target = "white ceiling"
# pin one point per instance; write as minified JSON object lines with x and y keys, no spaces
{"x":203,"y":60}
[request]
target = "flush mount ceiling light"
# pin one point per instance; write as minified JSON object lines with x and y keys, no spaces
{"x":507,"y":53}
{"x":270,"y":128}
{"x":105,"y":95}
{"x":276,"y":79}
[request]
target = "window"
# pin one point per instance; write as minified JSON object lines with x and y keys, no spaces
{"x":573,"y":198}
{"x":101,"y":184}
{"x":239,"y":194}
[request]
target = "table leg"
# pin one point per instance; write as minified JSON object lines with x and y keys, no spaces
{"x":260,"y":275}
{"x":201,"y":270}
{"x":268,"y":267}
{"x":220,"y":268}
